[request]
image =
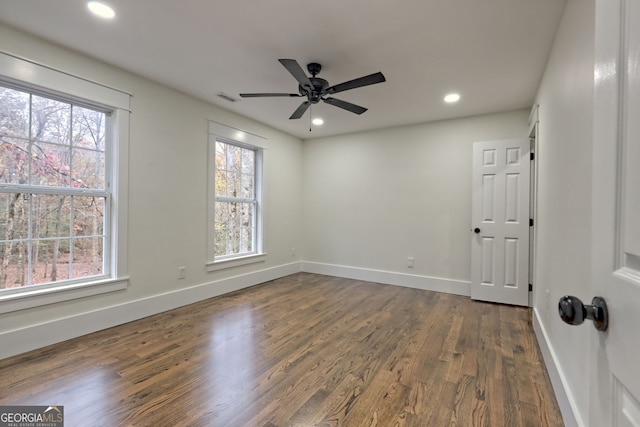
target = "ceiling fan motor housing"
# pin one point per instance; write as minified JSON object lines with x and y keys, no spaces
{"x":319,"y":85}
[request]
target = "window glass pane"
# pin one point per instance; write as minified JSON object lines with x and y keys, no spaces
{"x":50,"y":165}
{"x":87,"y":257}
{"x":233,"y":180}
{"x":50,"y":120}
{"x":248,"y":161}
{"x":220,"y":180}
{"x":220,"y":242}
{"x":246,"y":227}
{"x":50,"y":260}
{"x":221,"y":156}
{"x":88,"y":128}
{"x":233,"y":158}
{"x":51,"y":216}
{"x":14,"y":216}
{"x":4,"y":213}
{"x":87,"y":170}
{"x":246,"y":187}
{"x":14,"y":113}
{"x":233,"y":240}
{"x":14,"y":161}
{"x":246,"y":214}
{"x":246,"y":239}
{"x":221,"y":214}
{"x":13,"y":264}
{"x":88,"y":216}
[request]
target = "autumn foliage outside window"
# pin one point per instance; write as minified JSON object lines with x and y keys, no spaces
{"x":53,"y":190}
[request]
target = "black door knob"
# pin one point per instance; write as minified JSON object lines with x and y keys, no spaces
{"x":476,"y":230}
{"x":573,"y":311}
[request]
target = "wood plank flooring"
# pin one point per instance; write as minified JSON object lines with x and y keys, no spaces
{"x":304,"y":350}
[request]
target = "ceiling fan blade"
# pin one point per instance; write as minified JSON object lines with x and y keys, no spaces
{"x":352,"y":84}
{"x":300,"y":110}
{"x":296,"y":71}
{"x":261,"y":95}
{"x":345,"y":105}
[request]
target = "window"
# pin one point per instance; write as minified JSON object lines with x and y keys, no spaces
{"x":235,"y":170}
{"x":62,"y":226}
{"x":235,"y":205}
{"x":53,"y":198}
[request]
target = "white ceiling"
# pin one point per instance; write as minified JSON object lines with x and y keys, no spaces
{"x":492,"y":52}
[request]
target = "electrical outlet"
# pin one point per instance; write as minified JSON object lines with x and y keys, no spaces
{"x":182,"y":272}
{"x":410,"y":262}
{"x":293,"y":252}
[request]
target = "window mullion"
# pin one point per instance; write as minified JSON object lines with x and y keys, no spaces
{"x":234,"y":200}
{"x":28,"y":189}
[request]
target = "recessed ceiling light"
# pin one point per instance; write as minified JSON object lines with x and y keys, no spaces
{"x":452,"y":97}
{"x":101,"y":10}
{"x":318,"y":122}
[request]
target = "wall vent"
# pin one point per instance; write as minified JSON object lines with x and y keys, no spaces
{"x":227,"y":97}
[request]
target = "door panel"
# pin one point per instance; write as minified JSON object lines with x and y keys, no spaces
{"x":616,"y":214}
{"x":500,"y":251}
{"x":488,"y":198}
{"x":511,"y":262}
{"x":488,"y":256}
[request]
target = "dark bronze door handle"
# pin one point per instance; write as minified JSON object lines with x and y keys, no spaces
{"x":573,"y":311}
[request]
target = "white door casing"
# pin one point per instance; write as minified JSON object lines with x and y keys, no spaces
{"x":615,"y":355}
{"x":500,"y":209}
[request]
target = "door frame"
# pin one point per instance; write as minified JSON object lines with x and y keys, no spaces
{"x":534,"y":123}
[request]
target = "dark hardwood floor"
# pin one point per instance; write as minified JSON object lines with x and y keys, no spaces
{"x":304,"y":350}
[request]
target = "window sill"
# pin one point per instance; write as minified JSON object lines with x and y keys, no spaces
{"x":37,"y":297}
{"x":236,"y":262}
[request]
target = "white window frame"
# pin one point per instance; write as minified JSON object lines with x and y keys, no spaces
{"x":230,"y":135}
{"x":46,"y":80}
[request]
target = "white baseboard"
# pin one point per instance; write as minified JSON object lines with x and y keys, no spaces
{"x":427,"y":283}
{"x":565,"y":399}
{"x":41,"y":335}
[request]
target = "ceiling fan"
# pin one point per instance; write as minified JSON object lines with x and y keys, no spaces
{"x":317,"y":89}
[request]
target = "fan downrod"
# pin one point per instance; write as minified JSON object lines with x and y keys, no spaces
{"x":314,"y":68}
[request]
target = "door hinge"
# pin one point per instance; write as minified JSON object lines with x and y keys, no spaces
{"x":530,"y":287}
{"x":532,"y":156}
{"x":530,"y":222}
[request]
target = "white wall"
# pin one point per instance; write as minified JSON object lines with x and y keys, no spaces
{"x":373,"y":199}
{"x":167,"y":203}
{"x":564,"y":200}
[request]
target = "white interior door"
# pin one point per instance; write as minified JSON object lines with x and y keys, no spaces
{"x":615,"y":357}
{"x":500,"y":221}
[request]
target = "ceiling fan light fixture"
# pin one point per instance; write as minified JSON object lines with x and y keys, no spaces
{"x":451,"y":98}
{"x":317,"y":121}
{"x":100,"y":9}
